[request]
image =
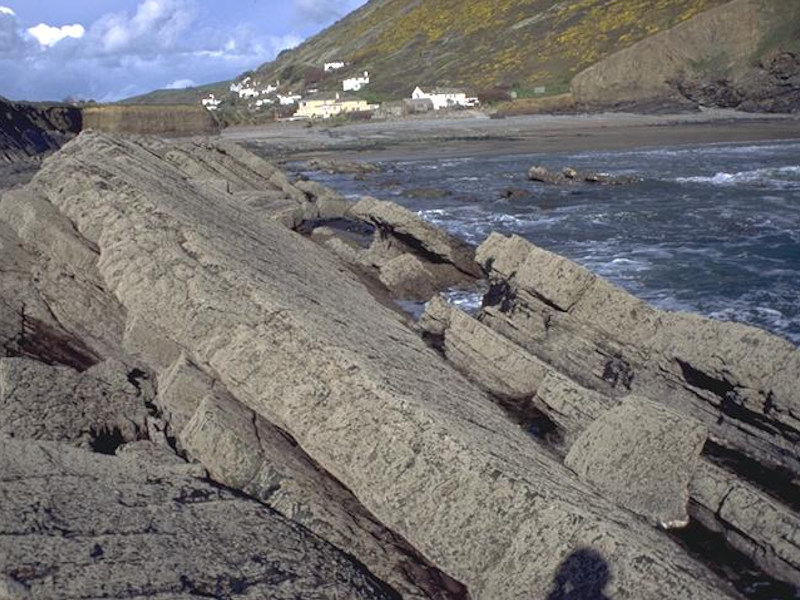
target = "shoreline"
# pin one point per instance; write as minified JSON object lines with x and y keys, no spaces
{"x":531,"y":134}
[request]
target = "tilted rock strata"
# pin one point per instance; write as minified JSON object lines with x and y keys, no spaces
{"x":295,"y":337}
{"x":80,"y":525}
{"x":739,"y":381}
{"x":762,"y":527}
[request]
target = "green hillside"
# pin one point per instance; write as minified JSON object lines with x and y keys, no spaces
{"x":191,"y":95}
{"x":522,"y":44}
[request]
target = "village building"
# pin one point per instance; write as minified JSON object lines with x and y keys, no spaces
{"x":211,"y":102}
{"x":333,"y":66}
{"x":288,"y":99}
{"x":325,"y":106}
{"x":444,"y":97}
{"x":249,"y":88}
{"x":354,"y":84}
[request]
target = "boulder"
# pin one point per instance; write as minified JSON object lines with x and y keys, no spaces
{"x":80,"y":525}
{"x":432,"y":242}
{"x":643,"y":455}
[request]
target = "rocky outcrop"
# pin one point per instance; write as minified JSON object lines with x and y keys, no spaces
{"x":102,"y":408}
{"x":737,"y":380}
{"x":28,"y":131}
{"x":569,"y":176}
{"x":708,"y":60}
{"x":283,"y":327}
{"x":646,"y":468}
{"x":80,"y":525}
{"x":166,"y":120}
{"x":547,"y":341}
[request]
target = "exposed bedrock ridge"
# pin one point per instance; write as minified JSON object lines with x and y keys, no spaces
{"x":509,"y":352}
{"x":296,"y":338}
{"x":75,"y":525}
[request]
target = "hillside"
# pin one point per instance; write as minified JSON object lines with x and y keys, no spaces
{"x":745,"y":54}
{"x":523,"y":44}
{"x":191,"y":95}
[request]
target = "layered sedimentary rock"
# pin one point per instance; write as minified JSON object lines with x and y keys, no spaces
{"x":285,"y":329}
{"x":80,"y":525}
{"x":554,"y":338}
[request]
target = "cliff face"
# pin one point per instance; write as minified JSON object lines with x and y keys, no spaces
{"x":167,"y":120}
{"x":29,"y":130}
{"x":743,"y":54}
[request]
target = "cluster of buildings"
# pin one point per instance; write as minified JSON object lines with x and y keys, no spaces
{"x":326,"y":105}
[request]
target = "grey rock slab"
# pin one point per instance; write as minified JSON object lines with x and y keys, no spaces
{"x":741,"y":382}
{"x":763,"y":530}
{"x":244,"y":451}
{"x":403,"y":223}
{"x":298,"y":339}
{"x":643,"y":455}
{"x":43,"y":402}
{"x":80,"y":525}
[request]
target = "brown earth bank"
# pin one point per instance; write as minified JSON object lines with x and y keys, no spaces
{"x":206,"y":388}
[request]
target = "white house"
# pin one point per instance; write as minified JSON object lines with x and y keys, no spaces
{"x":249,"y":88}
{"x":290,"y":98}
{"x":355,"y":83}
{"x":333,"y":66}
{"x":211,"y":102}
{"x":444,"y":97}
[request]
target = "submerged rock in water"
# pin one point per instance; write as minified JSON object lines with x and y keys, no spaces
{"x":569,"y":176}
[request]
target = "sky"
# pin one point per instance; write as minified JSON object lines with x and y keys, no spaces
{"x":107,"y":50}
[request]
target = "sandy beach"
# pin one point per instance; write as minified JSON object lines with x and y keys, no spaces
{"x":475,"y":134}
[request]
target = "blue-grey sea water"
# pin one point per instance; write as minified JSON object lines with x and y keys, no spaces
{"x":709,"y":229}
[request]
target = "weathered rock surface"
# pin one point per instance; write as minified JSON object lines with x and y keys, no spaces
{"x":643,"y":455}
{"x":474,"y":349}
{"x":244,"y":451}
{"x":408,"y":227}
{"x":80,"y":525}
{"x":739,"y":381}
{"x":298,"y":340}
{"x":100,"y":408}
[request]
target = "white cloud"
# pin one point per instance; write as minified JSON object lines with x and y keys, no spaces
{"x":4,"y":10}
{"x":156,"y":25}
{"x":180,"y":84}
{"x":48,"y":35}
{"x":127,"y":53}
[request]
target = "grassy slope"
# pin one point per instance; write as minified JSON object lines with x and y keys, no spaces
{"x":478,"y":43}
{"x":191,"y":95}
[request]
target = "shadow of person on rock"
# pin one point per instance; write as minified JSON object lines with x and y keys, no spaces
{"x":582,"y":576}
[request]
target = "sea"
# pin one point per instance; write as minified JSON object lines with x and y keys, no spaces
{"x":711,"y":229}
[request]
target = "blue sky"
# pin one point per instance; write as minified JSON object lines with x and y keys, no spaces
{"x":112,"y":49}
